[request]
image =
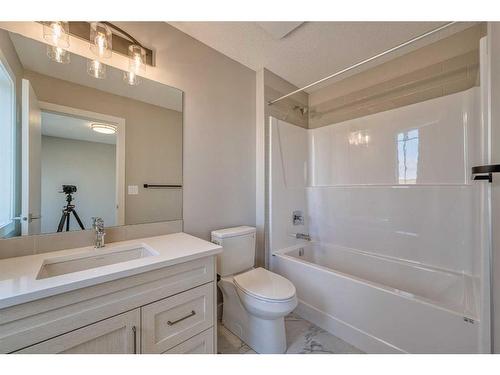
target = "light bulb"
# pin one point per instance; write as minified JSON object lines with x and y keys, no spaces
{"x":101,"y":44}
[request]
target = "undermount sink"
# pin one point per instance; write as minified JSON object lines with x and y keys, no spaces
{"x":103,"y":257}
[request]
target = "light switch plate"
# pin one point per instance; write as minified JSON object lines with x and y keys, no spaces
{"x":133,"y":190}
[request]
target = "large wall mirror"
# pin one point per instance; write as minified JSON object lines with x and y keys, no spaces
{"x":74,"y":147}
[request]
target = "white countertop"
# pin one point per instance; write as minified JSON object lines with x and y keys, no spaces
{"x":18,"y":276}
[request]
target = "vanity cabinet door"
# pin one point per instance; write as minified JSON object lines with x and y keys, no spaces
{"x":115,"y":335}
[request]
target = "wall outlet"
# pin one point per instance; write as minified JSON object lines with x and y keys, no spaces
{"x":133,"y":190}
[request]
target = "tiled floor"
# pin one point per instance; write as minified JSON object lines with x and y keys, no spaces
{"x":302,"y":337}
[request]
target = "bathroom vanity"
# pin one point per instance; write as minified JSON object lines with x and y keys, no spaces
{"x":151,"y":295}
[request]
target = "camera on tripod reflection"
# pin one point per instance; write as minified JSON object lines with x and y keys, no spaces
{"x":68,"y":189}
{"x":69,"y":209}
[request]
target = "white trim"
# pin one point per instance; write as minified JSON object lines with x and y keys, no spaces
{"x":260,"y":166}
{"x":486,"y":312}
{"x":4,"y":65}
{"x":120,"y":147}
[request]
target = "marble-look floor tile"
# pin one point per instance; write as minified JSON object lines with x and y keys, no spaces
{"x":302,"y":336}
{"x":229,"y":343}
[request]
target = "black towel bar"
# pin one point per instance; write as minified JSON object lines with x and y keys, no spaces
{"x":485,"y":172}
{"x":161,"y":186}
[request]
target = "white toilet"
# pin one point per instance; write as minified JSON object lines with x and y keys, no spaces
{"x":255,"y":300}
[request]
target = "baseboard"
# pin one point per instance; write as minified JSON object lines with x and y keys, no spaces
{"x":345,"y":331}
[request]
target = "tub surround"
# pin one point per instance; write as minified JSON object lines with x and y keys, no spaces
{"x":389,"y":192}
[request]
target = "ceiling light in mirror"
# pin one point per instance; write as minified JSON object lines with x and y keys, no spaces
{"x":56,"y":33}
{"x":103,"y":128}
{"x":96,"y":69}
{"x":58,"y":55}
{"x":100,"y":39}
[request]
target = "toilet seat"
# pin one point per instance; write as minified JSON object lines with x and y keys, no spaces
{"x":265,"y":285}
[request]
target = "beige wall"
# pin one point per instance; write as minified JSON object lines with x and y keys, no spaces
{"x":153,"y":144}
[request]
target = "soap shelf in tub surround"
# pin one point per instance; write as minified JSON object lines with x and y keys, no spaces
{"x":106,"y":301}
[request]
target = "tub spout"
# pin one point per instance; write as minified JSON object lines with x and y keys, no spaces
{"x":303,"y":236}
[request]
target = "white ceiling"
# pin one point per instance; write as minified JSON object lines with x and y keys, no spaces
{"x":64,"y":126}
{"x":33,"y":57}
{"x":312,"y":50}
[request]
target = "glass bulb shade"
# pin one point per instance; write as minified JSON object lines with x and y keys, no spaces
{"x":56,"y":33}
{"x":136,"y":59}
{"x":131,"y":78}
{"x":96,"y":69}
{"x":103,"y":128}
{"x":58,"y":55}
{"x":101,"y":40}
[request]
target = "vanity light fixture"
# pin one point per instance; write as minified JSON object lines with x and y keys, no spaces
{"x":101,"y":40}
{"x":103,"y":128}
{"x":96,"y":69}
{"x":100,"y":35}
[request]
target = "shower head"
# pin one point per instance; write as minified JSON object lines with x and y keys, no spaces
{"x":302,"y":110}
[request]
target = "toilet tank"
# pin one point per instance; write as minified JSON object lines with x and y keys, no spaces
{"x":238,"y":249}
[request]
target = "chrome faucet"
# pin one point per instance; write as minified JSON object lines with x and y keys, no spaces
{"x":303,"y":236}
{"x":98,"y":225}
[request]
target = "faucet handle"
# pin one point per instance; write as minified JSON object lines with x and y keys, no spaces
{"x":97,"y":223}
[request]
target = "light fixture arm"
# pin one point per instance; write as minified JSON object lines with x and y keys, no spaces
{"x":123,"y":32}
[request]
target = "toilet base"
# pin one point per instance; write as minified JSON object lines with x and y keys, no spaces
{"x":262,"y":335}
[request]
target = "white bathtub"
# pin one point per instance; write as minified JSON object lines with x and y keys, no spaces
{"x":382,"y":305}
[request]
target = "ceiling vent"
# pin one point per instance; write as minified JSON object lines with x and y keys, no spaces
{"x":278,"y":30}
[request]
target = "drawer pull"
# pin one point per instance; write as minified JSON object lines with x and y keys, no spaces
{"x":134,"y":331}
{"x":170,"y":323}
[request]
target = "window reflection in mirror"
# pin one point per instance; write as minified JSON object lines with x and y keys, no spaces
{"x":7,"y":159}
{"x":408,"y":156}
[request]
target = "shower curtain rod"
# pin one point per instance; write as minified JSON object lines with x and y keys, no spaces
{"x":365,"y":61}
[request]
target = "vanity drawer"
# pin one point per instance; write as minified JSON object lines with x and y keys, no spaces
{"x":202,"y":343}
{"x":171,"y":321}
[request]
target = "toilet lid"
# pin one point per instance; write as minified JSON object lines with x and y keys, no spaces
{"x":265,"y":284}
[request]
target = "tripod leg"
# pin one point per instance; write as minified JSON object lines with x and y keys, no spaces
{"x":68,"y":216}
{"x":61,"y":222}
{"x":79,"y":221}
